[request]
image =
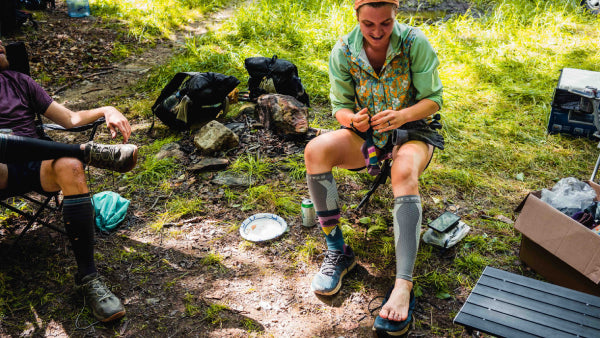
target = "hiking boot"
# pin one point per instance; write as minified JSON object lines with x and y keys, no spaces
{"x":335,"y":266}
{"x":117,"y":157}
{"x":104,"y":304}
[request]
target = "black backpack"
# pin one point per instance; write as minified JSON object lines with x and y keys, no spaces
{"x":197,"y":100}
{"x":273,"y":75}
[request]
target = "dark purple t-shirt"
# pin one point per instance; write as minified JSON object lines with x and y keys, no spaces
{"x":20,"y":99}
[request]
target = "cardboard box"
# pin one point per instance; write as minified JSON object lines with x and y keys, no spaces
{"x":557,"y":247}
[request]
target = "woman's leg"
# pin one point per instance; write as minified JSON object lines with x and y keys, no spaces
{"x":67,"y":174}
{"x":409,"y":162}
{"x":340,"y":148}
{"x":14,"y":149}
{"x":118,"y":157}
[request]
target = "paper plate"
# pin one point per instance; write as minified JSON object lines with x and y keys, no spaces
{"x":262,"y":227}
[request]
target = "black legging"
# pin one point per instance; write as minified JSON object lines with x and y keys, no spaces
{"x":15,"y":149}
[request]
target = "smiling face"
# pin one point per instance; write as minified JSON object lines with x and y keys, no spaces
{"x":376,"y":24}
{"x":3,"y":59}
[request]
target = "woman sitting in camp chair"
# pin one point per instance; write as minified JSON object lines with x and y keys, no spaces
{"x":30,"y":164}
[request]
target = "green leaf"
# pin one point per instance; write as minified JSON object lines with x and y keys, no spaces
{"x":365,"y":220}
{"x":418,"y":291}
{"x":375,"y":229}
{"x":443,"y":295}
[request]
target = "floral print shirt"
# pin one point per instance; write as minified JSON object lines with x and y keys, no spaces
{"x":408,"y":75}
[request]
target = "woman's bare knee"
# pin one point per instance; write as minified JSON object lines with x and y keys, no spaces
{"x":337,"y":148}
{"x":409,"y":161}
{"x":66,"y":174}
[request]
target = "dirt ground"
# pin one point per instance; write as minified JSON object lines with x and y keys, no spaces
{"x":168,"y":283}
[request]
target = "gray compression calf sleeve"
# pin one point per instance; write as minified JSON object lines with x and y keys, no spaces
{"x":323,"y":191}
{"x":407,"y":226}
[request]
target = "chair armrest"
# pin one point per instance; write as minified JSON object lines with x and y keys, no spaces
{"x":95,"y":124}
{"x":90,"y":126}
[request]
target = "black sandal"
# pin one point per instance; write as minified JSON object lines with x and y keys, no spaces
{"x":392,"y":327}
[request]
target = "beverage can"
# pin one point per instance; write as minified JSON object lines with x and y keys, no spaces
{"x":309,"y":216}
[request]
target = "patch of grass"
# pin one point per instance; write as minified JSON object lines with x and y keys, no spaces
{"x":251,"y":166}
{"x":357,"y":285}
{"x":121,"y":51}
{"x":471,"y":264}
{"x":214,"y":261}
{"x":213,"y":314}
{"x":150,"y":19}
{"x":440,"y":281}
{"x":251,"y":325}
{"x":294,"y":166}
{"x":267,"y":198}
{"x":190,"y":304}
{"x":153,"y":172}
{"x":177,"y":208}
{"x":306,"y":251}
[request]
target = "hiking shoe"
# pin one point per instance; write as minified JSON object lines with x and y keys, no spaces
{"x":104,"y":304}
{"x":117,"y":157}
{"x":335,"y":266}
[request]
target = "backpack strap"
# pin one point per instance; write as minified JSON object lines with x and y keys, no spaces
{"x":271,"y":64}
{"x":168,"y":90}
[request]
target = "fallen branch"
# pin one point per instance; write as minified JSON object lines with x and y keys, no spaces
{"x":91,"y":91}
{"x":60,"y":89}
{"x":181,"y":223}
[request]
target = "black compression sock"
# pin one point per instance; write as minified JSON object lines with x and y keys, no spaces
{"x":78,"y":214}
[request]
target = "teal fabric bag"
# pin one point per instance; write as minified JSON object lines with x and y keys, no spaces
{"x":110,"y":209}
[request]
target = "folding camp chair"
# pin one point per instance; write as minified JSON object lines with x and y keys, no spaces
{"x":39,"y":201}
{"x":44,"y":201}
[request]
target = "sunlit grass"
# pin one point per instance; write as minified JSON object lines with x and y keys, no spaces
{"x":149,"y":19}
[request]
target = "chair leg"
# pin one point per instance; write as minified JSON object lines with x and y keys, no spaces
{"x":34,"y":218}
{"x":379,"y":179}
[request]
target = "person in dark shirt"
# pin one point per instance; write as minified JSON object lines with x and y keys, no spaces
{"x":28,"y":163}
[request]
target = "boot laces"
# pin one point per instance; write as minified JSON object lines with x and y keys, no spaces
{"x":332,"y":259}
{"x":98,"y":290}
{"x":103,"y":153}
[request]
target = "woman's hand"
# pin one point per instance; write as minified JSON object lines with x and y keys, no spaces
{"x":387,"y":120}
{"x":115,"y":121}
{"x":360,"y":120}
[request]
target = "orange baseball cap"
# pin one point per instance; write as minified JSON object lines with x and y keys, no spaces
{"x":358,"y":3}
